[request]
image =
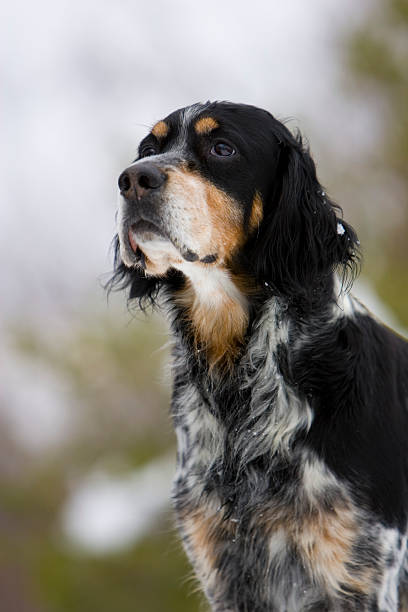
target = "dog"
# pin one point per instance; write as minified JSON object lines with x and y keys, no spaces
{"x":290,"y":400}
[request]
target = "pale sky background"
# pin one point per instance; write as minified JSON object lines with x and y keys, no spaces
{"x":83,"y":80}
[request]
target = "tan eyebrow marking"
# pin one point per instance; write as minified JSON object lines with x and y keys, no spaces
{"x":205,"y":125}
{"x":161,"y":129}
{"x":256,"y":213}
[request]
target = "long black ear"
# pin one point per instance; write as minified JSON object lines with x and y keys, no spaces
{"x":302,"y":238}
{"x":140,"y":287}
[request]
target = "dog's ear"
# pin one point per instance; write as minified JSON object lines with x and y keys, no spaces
{"x":302,"y":238}
{"x":140,"y":287}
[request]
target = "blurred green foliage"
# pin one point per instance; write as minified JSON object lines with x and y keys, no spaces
{"x":378,"y":56}
{"x":145,"y":578}
{"x":150,"y":576}
{"x":115,"y":369}
{"x":114,"y":366}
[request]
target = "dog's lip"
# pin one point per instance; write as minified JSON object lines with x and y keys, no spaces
{"x":143,"y":230}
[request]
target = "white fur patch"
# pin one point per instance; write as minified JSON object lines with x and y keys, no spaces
{"x":345,"y":305}
{"x":278,"y":544}
{"x":316,"y":476}
{"x":388,"y":595}
{"x":212,"y":285}
{"x":200,"y":440}
{"x":281,"y":413}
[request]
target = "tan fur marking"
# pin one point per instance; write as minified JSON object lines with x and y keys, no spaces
{"x":160,"y":130}
{"x":218,"y":329}
{"x":324,"y":540}
{"x":256,"y":212}
{"x":214,"y":299}
{"x":226,"y":221}
{"x":205,"y":125}
{"x":215,"y":220}
{"x":204,"y":532}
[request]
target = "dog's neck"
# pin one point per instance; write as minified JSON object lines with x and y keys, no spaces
{"x":226,"y":424}
{"x":221,"y":309}
{"x":216,"y":305}
{"x":260,"y":409}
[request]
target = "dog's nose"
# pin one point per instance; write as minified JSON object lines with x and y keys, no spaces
{"x":142,"y":179}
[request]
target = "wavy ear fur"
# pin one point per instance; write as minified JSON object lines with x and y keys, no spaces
{"x":302,"y":238}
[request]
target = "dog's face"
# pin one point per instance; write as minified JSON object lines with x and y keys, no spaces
{"x":196,"y":192}
{"x":223,"y":207}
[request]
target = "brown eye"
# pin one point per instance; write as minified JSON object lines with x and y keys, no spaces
{"x":147,"y":152}
{"x":222,"y":149}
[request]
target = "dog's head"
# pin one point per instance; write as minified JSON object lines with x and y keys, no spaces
{"x":226,"y":187}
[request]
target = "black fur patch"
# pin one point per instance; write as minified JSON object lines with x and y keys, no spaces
{"x":291,"y":490}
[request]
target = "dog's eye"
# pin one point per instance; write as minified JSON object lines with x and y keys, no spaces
{"x":222,"y":149}
{"x":147,"y":152}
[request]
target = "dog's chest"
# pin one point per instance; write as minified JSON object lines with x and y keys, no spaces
{"x":252,"y":507}
{"x":225,"y":429}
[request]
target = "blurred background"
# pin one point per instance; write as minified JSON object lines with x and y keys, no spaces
{"x":87,"y":449}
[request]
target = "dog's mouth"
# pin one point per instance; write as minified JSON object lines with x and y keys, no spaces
{"x":142,"y":232}
{"x":145,"y":234}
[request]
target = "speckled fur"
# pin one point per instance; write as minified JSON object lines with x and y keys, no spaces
{"x":289,"y":399}
{"x":265,"y":523}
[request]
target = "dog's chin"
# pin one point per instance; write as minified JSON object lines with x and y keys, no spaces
{"x":146,"y":245}
{"x":144,"y":232}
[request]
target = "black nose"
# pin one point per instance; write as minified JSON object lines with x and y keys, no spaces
{"x":140,"y":178}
